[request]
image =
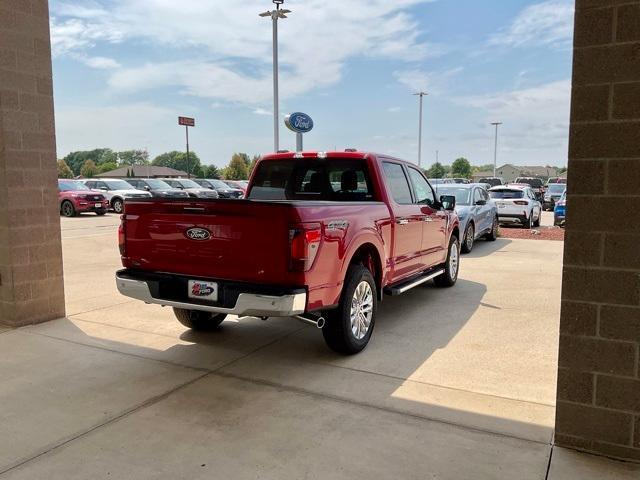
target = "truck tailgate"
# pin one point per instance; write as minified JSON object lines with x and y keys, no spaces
{"x":248,"y":241}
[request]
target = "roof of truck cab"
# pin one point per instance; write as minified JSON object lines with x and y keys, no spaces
{"x":331,"y":154}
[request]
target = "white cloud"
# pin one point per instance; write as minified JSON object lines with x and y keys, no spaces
{"x":432,"y":82}
{"x":535,"y":117}
{"x":546,"y":23}
{"x":102,"y":63}
{"x":228,"y":49}
{"x":394,"y":109}
{"x":262,"y":111}
{"x":120,"y":127}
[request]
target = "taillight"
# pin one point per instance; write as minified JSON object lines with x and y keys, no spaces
{"x":121,"y":231}
{"x":521,"y":202}
{"x":304,"y":242}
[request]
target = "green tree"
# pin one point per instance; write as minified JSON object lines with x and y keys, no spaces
{"x":252,"y":165}
{"x":75,"y":160}
{"x":89,"y":169}
{"x":237,"y":168}
{"x":210,"y":171}
{"x":482,"y":168}
{"x":63,"y":170}
{"x":436,"y":171}
{"x":107,"y":167}
{"x":178,"y":161}
{"x":133,"y":157}
{"x":461,"y":168}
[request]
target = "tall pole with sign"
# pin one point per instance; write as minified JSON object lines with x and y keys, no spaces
{"x":275,"y":16}
{"x":187,"y":122}
{"x":299,"y":123}
{"x":421,"y":95}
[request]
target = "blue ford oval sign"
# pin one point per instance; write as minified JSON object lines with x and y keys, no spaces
{"x":299,"y":122}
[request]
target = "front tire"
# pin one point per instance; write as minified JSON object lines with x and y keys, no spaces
{"x":67,"y":209}
{"x":469,"y":238}
{"x":348,"y":328}
{"x":451,"y":266}
{"x":198,"y":320}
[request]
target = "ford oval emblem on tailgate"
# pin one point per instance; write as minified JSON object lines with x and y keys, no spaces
{"x":198,"y":234}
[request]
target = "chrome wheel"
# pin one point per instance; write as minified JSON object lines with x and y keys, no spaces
{"x":118,"y":206}
{"x":67,"y":209}
{"x":454,"y":261}
{"x":361,"y":310}
{"x":470,"y":236}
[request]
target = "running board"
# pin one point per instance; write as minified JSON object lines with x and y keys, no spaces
{"x":409,"y":284}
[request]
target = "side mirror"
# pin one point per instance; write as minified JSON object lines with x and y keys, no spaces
{"x":481,"y":202}
{"x":448,"y":202}
{"x":147,"y":188}
{"x":104,"y":189}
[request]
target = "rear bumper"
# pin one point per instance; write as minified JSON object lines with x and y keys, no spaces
{"x":242,"y":300}
{"x":511,"y":218}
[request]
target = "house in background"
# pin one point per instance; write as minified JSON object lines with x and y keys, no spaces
{"x":509,"y":172}
{"x":143,"y":171}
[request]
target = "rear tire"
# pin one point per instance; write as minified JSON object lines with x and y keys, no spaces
{"x":358,"y":301}
{"x":469,"y":238}
{"x":492,"y":236}
{"x":527,"y":222}
{"x":537,"y":222}
{"x":451,"y":266}
{"x":198,"y":320}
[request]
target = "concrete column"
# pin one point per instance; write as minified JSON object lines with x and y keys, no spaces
{"x":598,"y":377}
{"x":31,"y":285}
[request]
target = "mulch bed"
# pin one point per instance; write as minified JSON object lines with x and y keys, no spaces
{"x":540,"y":233}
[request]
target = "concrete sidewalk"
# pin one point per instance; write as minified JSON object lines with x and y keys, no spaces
{"x":456,"y":383}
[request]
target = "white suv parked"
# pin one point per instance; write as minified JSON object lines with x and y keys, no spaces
{"x":517,"y":204}
{"x":116,"y":190}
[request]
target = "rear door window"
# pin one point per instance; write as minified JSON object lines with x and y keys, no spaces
{"x":398,"y":183}
{"x":506,"y":194}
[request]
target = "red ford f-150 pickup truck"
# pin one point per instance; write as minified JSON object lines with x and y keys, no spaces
{"x":320,"y":237}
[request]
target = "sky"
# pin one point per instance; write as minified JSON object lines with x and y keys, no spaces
{"x":124,"y":70}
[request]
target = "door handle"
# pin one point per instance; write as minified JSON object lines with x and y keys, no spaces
{"x":402,"y":221}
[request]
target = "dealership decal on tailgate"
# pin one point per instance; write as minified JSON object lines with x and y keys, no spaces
{"x":203,"y":290}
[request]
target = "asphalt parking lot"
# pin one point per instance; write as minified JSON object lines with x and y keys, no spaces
{"x":455,"y":383}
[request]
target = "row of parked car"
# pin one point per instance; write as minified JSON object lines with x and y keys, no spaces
{"x":104,"y":194}
{"x":479,"y":206}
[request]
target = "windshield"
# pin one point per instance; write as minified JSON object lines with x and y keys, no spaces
{"x":188,"y":183}
{"x":506,"y":193}
{"x":71,"y":186}
{"x":463,"y":195}
{"x":534,"y":182}
{"x":118,"y":185}
{"x":491,"y":181}
{"x":557,"y":188}
{"x":157,"y":184}
{"x":335,"y":179}
{"x":218,"y":184}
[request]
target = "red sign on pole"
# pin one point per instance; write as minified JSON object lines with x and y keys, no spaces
{"x":187,"y":121}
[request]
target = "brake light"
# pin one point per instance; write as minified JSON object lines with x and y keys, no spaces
{"x":121,"y":232}
{"x":521,"y":202}
{"x":304,"y":242}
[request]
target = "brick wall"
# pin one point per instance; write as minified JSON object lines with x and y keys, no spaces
{"x":598,"y":378}
{"x":31,"y":288}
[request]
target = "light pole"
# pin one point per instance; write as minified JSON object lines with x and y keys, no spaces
{"x":421,"y":95}
{"x":275,"y":15}
{"x":495,"y":147}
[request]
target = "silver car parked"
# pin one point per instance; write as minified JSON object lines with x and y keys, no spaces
{"x":477,"y":212}
{"x":116,"y":190}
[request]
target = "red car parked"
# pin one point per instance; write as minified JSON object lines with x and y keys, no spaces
{"x":319,"y":235}
{"x":76,"y":197}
